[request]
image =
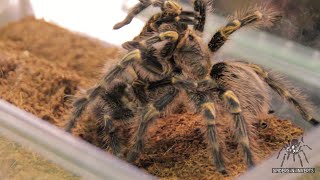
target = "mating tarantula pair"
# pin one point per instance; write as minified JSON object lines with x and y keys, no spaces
{"x":169,"y":65}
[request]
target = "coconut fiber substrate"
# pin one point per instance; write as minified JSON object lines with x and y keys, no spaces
{"x":42,"y":66}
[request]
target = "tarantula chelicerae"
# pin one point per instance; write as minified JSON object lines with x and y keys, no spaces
{"x":170,"y":65}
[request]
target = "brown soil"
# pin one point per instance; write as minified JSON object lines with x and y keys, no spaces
{"x":42,"y":65}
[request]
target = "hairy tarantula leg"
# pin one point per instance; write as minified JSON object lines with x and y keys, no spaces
{"x":172,"y":81}
{"x":151,"y":113}
{"x":187,"y":20}
{"x":262,"y":16}
{"x":131,"y":57}
{"x":132,"y":13}
{"x":220,"y":37}
{"x":80,"y":105}
{"x":209,"y":113}
{"x":180,"y":18}
{"x":114,"y":142}
{"x":115,"y":105}
{"x":189,"y":13}
{"x":200,"y":6}
{"x":241,"y":127}
{"x":131,"y":45}
{"x":139,"y":87}
{"x":291,"y":96}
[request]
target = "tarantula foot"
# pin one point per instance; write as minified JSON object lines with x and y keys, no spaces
{"x":118,"y":26}
{"x":132,"y":156}
{"x":68,"y":127}
{"x":271,"y":111}
{"x":251,"y":165}
{"x":118,"y":155}
{"x":223,"y":171}
{"x":314,"y":122}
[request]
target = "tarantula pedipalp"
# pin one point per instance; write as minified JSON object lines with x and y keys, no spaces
{"x":171,"y":12}
{"x":156,"y":63}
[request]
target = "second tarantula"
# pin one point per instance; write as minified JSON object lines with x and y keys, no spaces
{"x":173,"y":67}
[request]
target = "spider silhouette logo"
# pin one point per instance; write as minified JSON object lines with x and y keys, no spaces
{"x":294,"y":147}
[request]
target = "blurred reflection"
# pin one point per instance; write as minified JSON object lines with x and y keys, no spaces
{"x":17,"y":162}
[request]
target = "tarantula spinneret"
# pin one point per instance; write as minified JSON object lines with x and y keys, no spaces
{"x":174,"y":66}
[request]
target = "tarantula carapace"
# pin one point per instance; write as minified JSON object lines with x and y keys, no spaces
{"x":173,"y":66}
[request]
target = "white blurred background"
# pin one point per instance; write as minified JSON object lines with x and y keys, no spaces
{"x":95,"y":17}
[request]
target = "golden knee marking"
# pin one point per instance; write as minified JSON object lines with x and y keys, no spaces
{"x":214,"y":146}
{"x":309,"y":117}
{"x":152,"y":112}
{"x":258,"y":14}
{"x":211,"y":122}
{"x":244,"y":140}
{"x":106,"y":119}
{"x":172,"y":7}
{"x":133,"y":55}
{"x":125,"y":100}
{"x":286,"y":94}
{"x":156,"y":17}
{"x":226,"y":31}
{"x":143,"y":44}
{"x":229,"y":96}
{"x":259,"y":70}
{"x":174,"y":80}
{"x":153,"y":27}
{"x":237,"y":23}
{"x":169,"y":35}
{"x":210,"y":106}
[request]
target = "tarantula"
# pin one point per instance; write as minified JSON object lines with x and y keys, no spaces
{"x":171,"y":67}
